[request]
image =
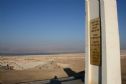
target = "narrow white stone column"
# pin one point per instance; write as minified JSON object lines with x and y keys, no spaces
{"x":102,"y":61}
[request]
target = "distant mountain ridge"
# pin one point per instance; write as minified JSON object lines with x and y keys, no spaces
{"x":14,"y":54}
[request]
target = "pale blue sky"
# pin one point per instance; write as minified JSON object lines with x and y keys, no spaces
{"x":46,"y":26}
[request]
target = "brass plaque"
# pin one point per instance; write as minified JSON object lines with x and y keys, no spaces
{"x":95,"y":42}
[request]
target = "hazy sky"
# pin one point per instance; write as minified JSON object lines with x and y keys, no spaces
{"x":47,"y":25}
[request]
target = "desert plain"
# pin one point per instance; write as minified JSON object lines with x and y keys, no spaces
{"x":38,"y":67}
{"x":25,"y":68}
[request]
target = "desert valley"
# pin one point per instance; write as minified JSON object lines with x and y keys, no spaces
{"x":16,"y":69}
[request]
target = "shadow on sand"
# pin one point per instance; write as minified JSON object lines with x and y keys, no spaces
{"x":72,"y":75}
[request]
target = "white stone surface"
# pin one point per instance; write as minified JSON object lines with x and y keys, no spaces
{"x":111,"y":73}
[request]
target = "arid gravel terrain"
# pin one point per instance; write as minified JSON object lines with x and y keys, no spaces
{"x":41,"y":67}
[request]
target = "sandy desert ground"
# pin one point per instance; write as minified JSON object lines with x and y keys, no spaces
{"x":123,"y":67}
{"x":41,"y":67}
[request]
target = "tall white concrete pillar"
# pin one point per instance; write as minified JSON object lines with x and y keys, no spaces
{"x":102,"y":61}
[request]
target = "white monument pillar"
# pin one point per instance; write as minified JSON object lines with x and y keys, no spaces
{"x":102,"y":61}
